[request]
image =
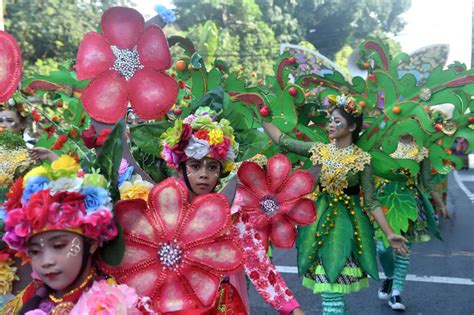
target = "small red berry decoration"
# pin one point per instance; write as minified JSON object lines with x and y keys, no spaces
{"x":293,"y":91}
{"x":396,"y":110}
{"x":264,"y":111}
{"x":177,"y":111}
{"x":438,"y":126}
{"x":299,"y":134}
{"x":292,"y":60}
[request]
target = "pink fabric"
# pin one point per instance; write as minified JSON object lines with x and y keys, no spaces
{"x":261,"y":271}
{"x":289,"y":307}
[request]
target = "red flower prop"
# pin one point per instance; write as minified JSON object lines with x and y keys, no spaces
{"x":14,"y":195}
{"x":126,"y":63}
{"x":176,"y":252}
{"x":11,"y":65}
{"x":274,"y":202}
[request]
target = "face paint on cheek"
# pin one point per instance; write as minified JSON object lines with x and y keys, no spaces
{"x":75,"y":248}
{"x":340,"y":125}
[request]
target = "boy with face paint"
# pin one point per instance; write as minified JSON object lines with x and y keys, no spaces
{"x":337,"y":251}
{"x":60,"y":227}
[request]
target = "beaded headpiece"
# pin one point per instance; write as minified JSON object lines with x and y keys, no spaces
{"x":58,"y":197}
{"x":348,"y":103}
{"x":198,"y":136}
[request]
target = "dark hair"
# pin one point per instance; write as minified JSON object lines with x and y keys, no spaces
{"x":34,"y":302}
{"x":351,"y":120}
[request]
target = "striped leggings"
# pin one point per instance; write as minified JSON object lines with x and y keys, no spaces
{"x":395,"y":266}
{"x":333,"y":303}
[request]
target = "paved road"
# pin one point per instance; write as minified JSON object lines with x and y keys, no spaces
{"x":441,"y":273}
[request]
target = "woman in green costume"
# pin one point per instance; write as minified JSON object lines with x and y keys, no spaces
{"x":337,"y":251}
{"x":409,"y":213}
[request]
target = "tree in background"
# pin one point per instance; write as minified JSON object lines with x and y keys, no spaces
{"x":49,"y":31}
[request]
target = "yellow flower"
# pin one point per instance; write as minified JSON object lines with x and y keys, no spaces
{"x":65,"y":166}
{"x":228,"y":167}
{"x":37,"y":171}
{"x":7,"y":276}
{"x":135,"y":189}
{"x":216,"y":136}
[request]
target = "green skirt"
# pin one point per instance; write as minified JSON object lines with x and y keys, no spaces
{"x":336,"y":252}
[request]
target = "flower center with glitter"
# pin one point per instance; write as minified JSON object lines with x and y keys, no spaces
{"x":170,"y":255}
{"x":127,"y":61}
{"x":269,"y":205}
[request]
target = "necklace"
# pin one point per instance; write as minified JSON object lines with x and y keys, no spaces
{"x":80,"y":287}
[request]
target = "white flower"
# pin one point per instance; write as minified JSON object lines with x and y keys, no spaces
{"x":230,"y":155}
{"x":65,"y":184}
{"x":197,"y":148}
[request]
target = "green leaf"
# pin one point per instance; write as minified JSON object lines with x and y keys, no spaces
{"x":251,"y":142}
{"x":368,"y":259}
{"x":110,"y":156}
{"x":337,"y":246}
{"x":147,"y":136}
{"x":112,"y":252}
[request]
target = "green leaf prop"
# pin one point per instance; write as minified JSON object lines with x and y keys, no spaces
{"x":113,"y":251}
{"x":251,"y":142}
{"x":147,"y":136}
{"x":110,"y":156}
{"x":337,"y":246}
{"x":367,"y":259}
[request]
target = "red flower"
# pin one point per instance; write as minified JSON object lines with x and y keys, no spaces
{"x":127,"y":62}
{"x":70,"y":210}
{"x":219,"y":151}
{"x":176,"y":252}
{"x":62,"y":138}
{"x":103,"y":134}
{"x":202,"y":134}
{"x":14,"y":195}
{"x":89,"y":136}
{"x":10,"y":75}
{"x":38,"y":209}
{"x":275,"y":201}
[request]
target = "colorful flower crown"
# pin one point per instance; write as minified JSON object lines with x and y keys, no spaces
{"x":199,"y":136}
{"x":348,"y":103}
{"x":58,"y":197}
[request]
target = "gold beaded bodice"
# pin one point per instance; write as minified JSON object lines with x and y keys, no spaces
{"x":336,"y":164}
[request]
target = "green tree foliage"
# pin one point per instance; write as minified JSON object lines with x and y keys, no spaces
{"x":49,"y":31}
{"x":244,"y":37}
{"x":329,"y":25}
{"x":280,"y":15}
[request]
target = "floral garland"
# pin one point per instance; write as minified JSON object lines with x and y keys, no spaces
{"x":58,"y":196}
{"x":337,"y":163}
{"x":199,"y":136}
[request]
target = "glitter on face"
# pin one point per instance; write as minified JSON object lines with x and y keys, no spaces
{"x":75,"y":248}
{"x":127,"y":61}
{"x":170,"y":255}
{"x":269,"y":205}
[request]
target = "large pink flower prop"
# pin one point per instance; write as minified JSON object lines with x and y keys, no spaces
{"x":176,"y":252}
{"x":10,"y":65}
{"x":274,"y":202}
{"x":126,"y":63}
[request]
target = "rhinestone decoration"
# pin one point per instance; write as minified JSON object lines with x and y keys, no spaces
{"x":425,"y":94}
{"x":170,"y":255}
{"x":127,"y":61}
{"x":269,"y":205}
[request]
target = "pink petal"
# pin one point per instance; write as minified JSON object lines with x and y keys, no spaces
{"x":303,"y":212}
{"x":134,"y":255}
{"x":153,"y":49}
{"x":278,"y":168}
{"x":204,"y":285}
{"x":122,"y":27}
{"x":299,"y":184}
{"x":221,"y":256}
{"x":11,"y":66}
{"x":152,"y":93}
{"x":93,"y":57}
{"x":246,"y":198}
{"x":252,"y":176}
{"x":167,"y":200}
{"x":137,"y":221}
{"x":283,"y":233}
{"x":209,"y":215}
{"x":105,"y":98}
{"x":173,"y":296}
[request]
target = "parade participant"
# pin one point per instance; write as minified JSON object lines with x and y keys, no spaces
{"x":408,"y":211}
{"x":58,"y":216}
{"x":337,"y":251}
{"x":202,"y":150}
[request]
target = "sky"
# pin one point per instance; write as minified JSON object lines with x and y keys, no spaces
{"x":427,"y":22}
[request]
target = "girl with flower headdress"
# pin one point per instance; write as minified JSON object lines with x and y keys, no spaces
{"x":58,"y":216}
{"x":337,"y":251}
{"x":202,"y":149}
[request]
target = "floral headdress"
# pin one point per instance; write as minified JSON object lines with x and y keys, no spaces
{"x":199,"y":136}
{"x":58,"y":197}
{"x":348,"y":103}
